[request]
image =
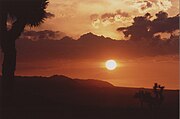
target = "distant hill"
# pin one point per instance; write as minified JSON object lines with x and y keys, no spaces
{"x":63,"y":80}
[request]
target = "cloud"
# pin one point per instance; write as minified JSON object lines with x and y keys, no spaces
{"x":164,"y":4}
{"x":96,"y":23}
{"x":51,"y":55}
{"x":145,"y":28}
{"x":90,"y":46}
{"x":114,"y":17}
{"x":42,"y":35}
{"x":163,"y":23}
{"x":94,"y":16}
{"x":109,"y":18}
{"x":144,"y":6}
{"x":95,"y":20}
{"x":73,"y":16}
{"x":50,"y":15}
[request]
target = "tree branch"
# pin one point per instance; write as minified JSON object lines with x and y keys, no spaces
{"x":17,"y":28}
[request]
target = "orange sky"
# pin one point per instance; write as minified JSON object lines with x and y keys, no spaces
{"x":75,"y":17}
{"x":101,"y":17}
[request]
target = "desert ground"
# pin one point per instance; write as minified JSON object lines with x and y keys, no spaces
{"x":60,"y":97}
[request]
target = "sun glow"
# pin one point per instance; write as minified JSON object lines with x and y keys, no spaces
{"x":111,"y":64}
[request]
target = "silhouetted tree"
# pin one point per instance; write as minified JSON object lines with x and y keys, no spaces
{"x":17,"y":13}
{"x":155,"y":90}
{"x":161,"y":96}
{"x":140,"y":96}
{"x":152,"y":100}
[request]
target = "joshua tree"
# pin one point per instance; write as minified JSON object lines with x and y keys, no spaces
{"x":155,"y":90}
{"x":140,"y":96}
{"x":153,"y":100}
{"x":14,"y":16}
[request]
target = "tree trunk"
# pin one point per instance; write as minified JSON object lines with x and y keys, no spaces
{"x":9,"y":49}
{"x":8,"y":39}
{"x":8,"y":69}
{"x":9,"y":62}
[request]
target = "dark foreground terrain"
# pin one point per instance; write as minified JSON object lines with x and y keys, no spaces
{"x":59,"y":97}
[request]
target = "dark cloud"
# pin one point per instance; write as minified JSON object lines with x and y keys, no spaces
{"x":163,"y":23}
{"x":124,"y":14}
{"x":42,"y":35}
{"x":107,"y":15}
{"x":48,"y":54}
{"x":145,"y":28}
{"x":94,"y":16}
{"x":50,"y":15}
{"x":145,"y":5}
{"x":90,"y":46}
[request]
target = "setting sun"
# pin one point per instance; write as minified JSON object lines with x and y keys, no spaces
{"x":111,"y":64}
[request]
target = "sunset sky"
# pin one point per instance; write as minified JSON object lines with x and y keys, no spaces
{"x":43,"y":52}
{"x":76,"y":17}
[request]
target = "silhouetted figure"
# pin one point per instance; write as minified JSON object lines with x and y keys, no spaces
{"x":21,"y":13}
